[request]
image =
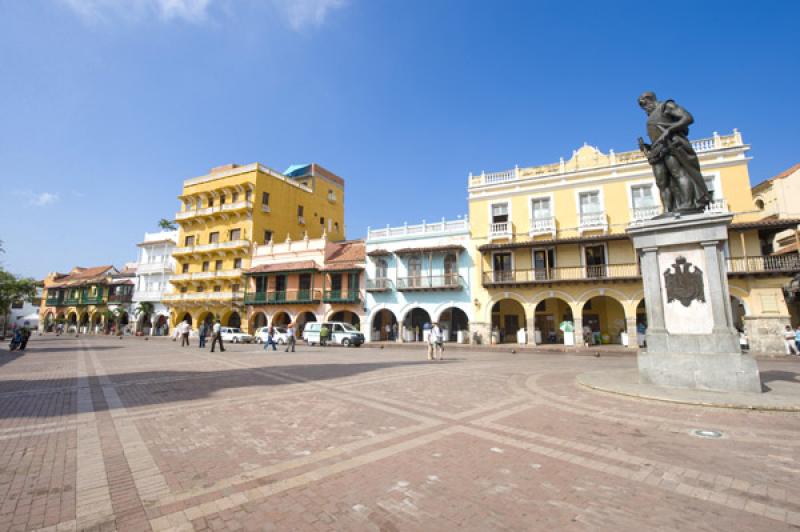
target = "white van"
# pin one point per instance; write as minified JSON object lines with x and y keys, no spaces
{"x":339,"y":333}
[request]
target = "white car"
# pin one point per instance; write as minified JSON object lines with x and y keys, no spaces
{"x":281,"y":335}
{"x":235,"y":335}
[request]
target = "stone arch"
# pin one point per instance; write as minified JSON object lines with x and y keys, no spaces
{"x":380,"y":317}
{"x":302,"y":319}
{"x":451,"y":320}
{"x":507,"y":316}
{"x":548,"y":315}
{"x":257,"y":320}
{"x":413,"y":324}
{"x":49,"y":321}
{"x":186,"y":315}
{"x":605,"y":316}
{"x":281,"y":318}
{"x":233,"y":319}
{"x":519,"y":298}
{"x":346,"y":316}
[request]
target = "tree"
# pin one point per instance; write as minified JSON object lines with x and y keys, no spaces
{"x":13,"y":288}
{"x":144,"y":309}
{"x":167,"y":225}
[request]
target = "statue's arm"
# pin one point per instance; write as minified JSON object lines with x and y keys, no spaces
{"x":683,"y":118}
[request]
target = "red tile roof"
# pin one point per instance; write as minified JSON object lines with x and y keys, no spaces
{"x":285,"y":267}
{"x":80,"y":275}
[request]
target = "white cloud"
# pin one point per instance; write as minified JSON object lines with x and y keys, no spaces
{"x":303,"y":13}
{"x":42,"y":199}
{"x":299,"y":14}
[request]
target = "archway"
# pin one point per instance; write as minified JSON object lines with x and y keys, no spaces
{"x":84,"y":323}
{"x":187,"y":317}
{"x":97,"y":322}
{"x":281,"y":319}
{"x":739,"y":311}
{"x":347,"y":316}
{"x":604,"y":316}
{"x":414,"y":324}
{"x":234,"y":320}
{"x":384,"y":326}
{"x":207,"y":318}
{"x":144,"y":323}
{"x":258,"y":320}
{"x":548,"y":316}
{"x":302,"y":319}
{"x":508,"y":317}
{"x":451,"y":320}
{"x":49,"y":320}
{"x":641,"y":323}
{"x":161,"y":327}
{"x":72,"y":319}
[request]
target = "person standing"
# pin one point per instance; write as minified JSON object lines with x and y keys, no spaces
{"x":438,"y":340}
{"x":270,"y":339}
{"x":290,"y":340}
{"x":394,"y":332}
{"x":789,"y":341}
{"x":185,"y":329}
{"x":323,"y":335}
{"x":797,"y":338}
{"x":216,"y":336}
{"x":201,"y":333}
{"x":388,"y":329}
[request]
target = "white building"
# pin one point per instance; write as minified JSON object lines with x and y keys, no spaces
{"x":153,"y":271}
{"x":417,"y":275}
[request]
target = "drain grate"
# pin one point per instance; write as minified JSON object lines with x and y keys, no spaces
{"x":706,"y":433}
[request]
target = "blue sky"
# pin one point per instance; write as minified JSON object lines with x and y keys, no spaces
{"x":107,"y":105}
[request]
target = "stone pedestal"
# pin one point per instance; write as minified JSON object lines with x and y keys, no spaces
{"x":691,"y":341}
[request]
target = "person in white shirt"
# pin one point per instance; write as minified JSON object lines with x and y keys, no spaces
{"x":435,"y":342}
{"x":185,"y":328}
{"x":788,"y":340}
{"x":290,"y":341}
{"x":216,"y":336}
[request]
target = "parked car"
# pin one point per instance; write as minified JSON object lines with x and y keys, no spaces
{"x":339,"y":333}
{"x":235,"y":335}
{"x":281,"y":335}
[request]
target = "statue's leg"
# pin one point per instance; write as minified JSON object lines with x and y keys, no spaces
{"x":663,"y":183}
{"x":685,"y":185}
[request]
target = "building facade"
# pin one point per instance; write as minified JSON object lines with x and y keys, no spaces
{"x":305,"y":281}
{"x":154,"y":269}
{"x":87,"y":300}
{"x":229,"y":211}
{"x":417,"y":275}
{"x":553,"y":255}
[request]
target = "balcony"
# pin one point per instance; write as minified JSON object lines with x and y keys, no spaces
{"x":592,"y":221}
{"x":203,"y":296}
{"x":215,"y":246}
{"x":153,"y":267}
{"x":120,"y":298}
{"x":91,"y":300}
{"x":55,"y":301}
{"x":717,"y":206}
{"x":238,"y":206}
{"x":341,"y":296}
{"x":379,"y":285}
{"x":445,"y":227}
{"x":283,"y":297}
{"x":566,"y":274}
{"x":430,"y":283}
{"x":543,"y":226}
{"x":500,"y":230}
{"x":765,"y":264}
{"x":72,"y":300}
{"x":641,"y":214}
{"x":205,"y":276}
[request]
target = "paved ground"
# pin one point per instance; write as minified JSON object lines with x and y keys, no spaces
{"x":132,"y":435}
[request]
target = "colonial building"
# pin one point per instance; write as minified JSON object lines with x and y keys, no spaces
{"x":418,"y":274}
{"x":87,"y":300}
{"x":305,"y":281}
{"x":226,"y":213}
{"x":153,"y":272}
{"x":552,"y":251}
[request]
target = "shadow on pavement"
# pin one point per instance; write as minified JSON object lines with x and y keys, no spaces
{"x":771,"y":375}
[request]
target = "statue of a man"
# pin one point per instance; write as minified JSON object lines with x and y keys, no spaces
{"x":674,"y":161}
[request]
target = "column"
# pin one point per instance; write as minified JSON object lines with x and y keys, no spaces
{"x":652,"y":291}
{"x":531,"y":326}
{"x":633,"y":340}
{"x":716,"y":296}
{"x":578,"y":331}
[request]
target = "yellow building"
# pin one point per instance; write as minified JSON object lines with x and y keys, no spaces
{"x":226,"y":213}
{"x":551,"y":246}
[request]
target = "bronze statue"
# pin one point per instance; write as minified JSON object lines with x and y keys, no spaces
{"x":674,"y":161}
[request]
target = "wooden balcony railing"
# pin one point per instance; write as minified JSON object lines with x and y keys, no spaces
{"x":379,"y":285}
{"x":435,"y":282}
{"x":120,"y":298}
{"x":283,"y":297}
{"x":341,"y":296}
{"x":555,"y":275}
{"x":764,"y":264}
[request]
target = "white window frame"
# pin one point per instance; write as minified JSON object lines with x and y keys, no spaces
{"x":717,"y":183}
{"x":593,"y":244}
{"x":549,"y":197}
{"x":493,"y":203}
{"x":601,"y":197}
{"x":503,"y":252}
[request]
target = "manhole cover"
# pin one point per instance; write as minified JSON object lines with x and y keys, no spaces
{"x":706,"y":433}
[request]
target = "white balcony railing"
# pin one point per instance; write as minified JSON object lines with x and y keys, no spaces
{"x":442,"y":227}
{"x":203,"y":276}
{"x":200,"y":276}
{"x":640,"y":214}
{"x":499,"y":230}
{"x":231,"y":244}
{"x":592,"y":221}
{"x":203,"y":296}
{"x":542,"y":226}
{"x":153,"y":267}
{"x":717,"y":205}
{"x":208,"y":211}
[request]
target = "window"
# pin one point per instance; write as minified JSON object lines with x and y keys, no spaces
{"x":544,"y":260}
{"x":595,"y":259}
{"x":336,"y":227}
{"x":188,"y":205}
{"x":267,"y":237}
{"x":300,"y":217}
{"x":381,"y":269}
{"x":217,"y":288}
{"x":450,"y":268}
{"x":185,"y":268}
{"x":415,"y":271}
{"x":234,"y":197}
{"x":184,"y":290}
{"x":235,"y":234}
{"x":499,"y":213}
{"x":265,"y":199}
{"x":235,"y":288}
{"x":205,"y":266}
{"x":222,"y":199}
{"x":589,"y":202}
{"x":210,"y":202}
{"x":642,"y":196}
{"x":213,"y":238}
{"x":540,"y":208}
{"x":304,"y":284}
{"x":321,"y":220}
{"x":331,"y":195}
{"x":188,"y":241}
{"x":217,"y":265}
{"x":502,"y":267}
{"x":247,"y":195}
{"x":200,"y":288}
{"x":711,"y":183}
{"x":237,"y":263}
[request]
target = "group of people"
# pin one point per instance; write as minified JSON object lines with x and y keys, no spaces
{"x":184,"y":329}
{"x":791,"y":339}
{"x":290,"y":338}
{"x":435,"y":342}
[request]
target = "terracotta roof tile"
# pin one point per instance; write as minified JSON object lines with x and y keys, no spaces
{"x":284,"y":267}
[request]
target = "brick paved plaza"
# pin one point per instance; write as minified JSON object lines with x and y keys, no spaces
{"x":130,"y":434}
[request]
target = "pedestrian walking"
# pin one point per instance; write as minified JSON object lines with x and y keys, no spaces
{"x":26,"y":334}
{"x":797,"y":338}
{"x":789,"y":341}
{"x":216,"y":336}
{"x":270,"y":339}
{"x":435,"y":342}
{"x":290,"y":340}
{"x":201,"y":334}
{"x":388,"y":330}
{"x":394,"y":332}
{"x":185,"y":329}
